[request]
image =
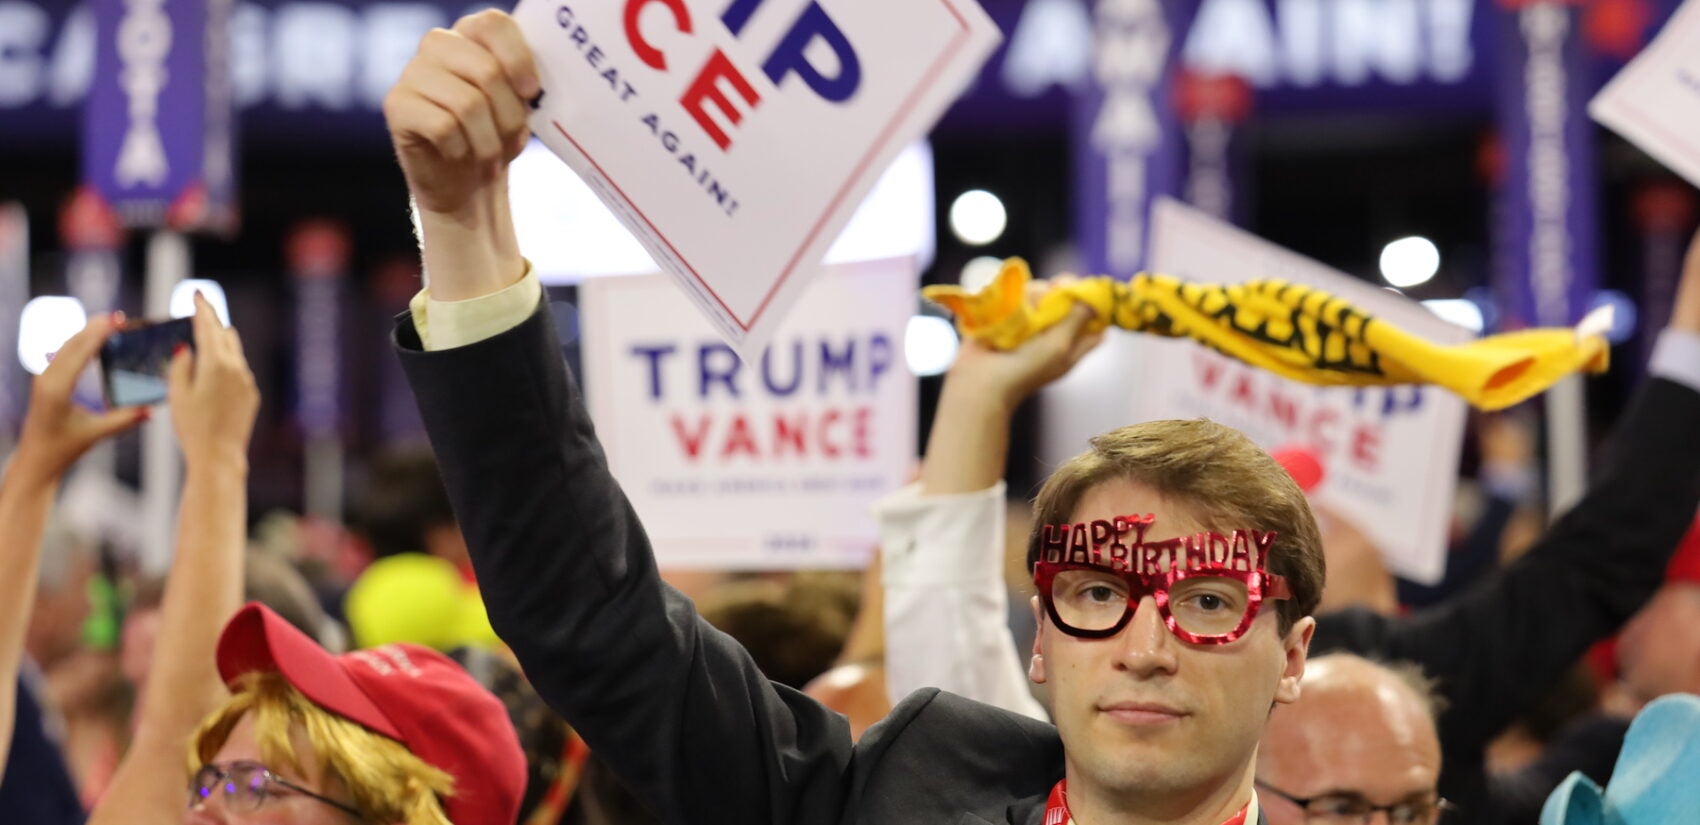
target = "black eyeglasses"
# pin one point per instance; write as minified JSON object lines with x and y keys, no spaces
{"x":247,"y":786}
{"x":1351,"y":809}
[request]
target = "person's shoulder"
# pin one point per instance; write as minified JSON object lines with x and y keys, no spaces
{"x":951,"y":754}
{"x":937,"y":712}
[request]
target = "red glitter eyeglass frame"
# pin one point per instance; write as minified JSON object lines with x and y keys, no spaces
{"x":1260,"y":587}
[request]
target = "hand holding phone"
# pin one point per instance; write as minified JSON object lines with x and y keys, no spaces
{"x":136,"y":357}
{"x":57,"y":430}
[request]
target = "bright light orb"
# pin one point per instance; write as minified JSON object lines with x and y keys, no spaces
{"x":929,"y":345}
{"x":46,"y":324}
{"x":976,"y":274}
{"x":1409,"y":262}
{"x":978,"y":217}
{"x":1461,"y":311}
{"x":182,"y":303}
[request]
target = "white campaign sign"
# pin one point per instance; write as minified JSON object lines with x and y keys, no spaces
{"x":1390,"y":454}
{"x":1655,"y":101}
{"x":766,"y":463}
{"x":735,"y":138}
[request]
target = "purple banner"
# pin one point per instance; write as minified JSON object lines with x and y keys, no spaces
{"x":1218,"y":157}
{"x":1548,"y":234}
{"x":319,"y":68}
{"x":1128,"y":144}
{"x":318,"y":253}
{"x":157,"y":120}
{"x":318,"y":364}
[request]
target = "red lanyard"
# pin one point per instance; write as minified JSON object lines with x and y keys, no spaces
{"x":1056,"y":808}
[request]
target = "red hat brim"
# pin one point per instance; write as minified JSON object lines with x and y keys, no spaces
{"x":258,"y":640}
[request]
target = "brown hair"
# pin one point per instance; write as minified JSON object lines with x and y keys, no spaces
{"x":793,"y":630}
{"x":1229,"y":482}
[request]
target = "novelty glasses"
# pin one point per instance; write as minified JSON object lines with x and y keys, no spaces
{"x":1208,"y":605}
{"x":247,"y":786}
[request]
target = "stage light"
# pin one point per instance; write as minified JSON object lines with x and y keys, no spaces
{"x":1408,"y":262}
{"x":929,"y":345}
{"x":896,"y":219}
{"x":978,"y":217}
{"x":1625,"y":315}
{"x":569,"y":235}
{"x":182,"y":303}
{"x":1484,"y":298}
{"x":979,"y":272}
{"x":1461,"y":311}
{"x":46,"y":324}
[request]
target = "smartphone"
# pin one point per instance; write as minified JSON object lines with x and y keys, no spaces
{"x":134,"y":360}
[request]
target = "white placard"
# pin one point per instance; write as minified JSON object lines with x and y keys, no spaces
{"x":767,"y":463}
{"x":1655,"y":101}
{"x":1390,"y":454}
{"x":735,"y":139}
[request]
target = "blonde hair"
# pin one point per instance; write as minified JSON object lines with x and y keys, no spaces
{"x":388,"y":782}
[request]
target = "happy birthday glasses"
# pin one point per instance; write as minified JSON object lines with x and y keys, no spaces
{"x":1208,"y":588}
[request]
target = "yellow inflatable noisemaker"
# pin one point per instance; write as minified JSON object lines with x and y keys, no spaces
{"x":1289,"y":329}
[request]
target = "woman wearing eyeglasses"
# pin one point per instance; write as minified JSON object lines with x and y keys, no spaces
{"x":394,"y":734}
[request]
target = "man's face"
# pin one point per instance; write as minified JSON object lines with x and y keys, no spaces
{"x":1357,"y":733}
{"x":1144,"y":714}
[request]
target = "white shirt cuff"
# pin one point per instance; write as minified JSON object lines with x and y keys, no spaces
{"x":1676,"y":357}
{"x":941,"y":539}
{"x":451,"y":324}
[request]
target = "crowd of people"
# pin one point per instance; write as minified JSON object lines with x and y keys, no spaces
{"x":1170,"y":632}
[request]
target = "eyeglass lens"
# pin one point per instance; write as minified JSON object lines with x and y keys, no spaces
{"x":1203,"y":605}
{"x":242,"y":783}
{"x":1355,"y":810}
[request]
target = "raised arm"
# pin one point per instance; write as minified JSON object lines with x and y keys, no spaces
{"x":213,"y":403}
{"x":676,"y":708}
{"x":56,"y":433}
{"x":1504,"y":643}
{"x":946,"y":605}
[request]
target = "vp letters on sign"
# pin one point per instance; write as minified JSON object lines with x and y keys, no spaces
{"x":735,"y":138}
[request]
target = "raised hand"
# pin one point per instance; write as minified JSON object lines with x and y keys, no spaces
{"x":457,"y":117}
{"x":56,"y":431}
{"x":1008,"y":378}
{"x":212,"y":393}
{"x":970,"y":438}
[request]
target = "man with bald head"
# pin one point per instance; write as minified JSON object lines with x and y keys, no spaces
{"x":1360,"y":741}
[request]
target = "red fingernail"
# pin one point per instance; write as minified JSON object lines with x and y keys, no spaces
{"x":177,"y":349}
{"x":144,"y":414}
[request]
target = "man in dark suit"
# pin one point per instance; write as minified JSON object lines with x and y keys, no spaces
{"x":1162,"y":686}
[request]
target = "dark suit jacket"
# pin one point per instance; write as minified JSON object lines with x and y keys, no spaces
{"x":1501,"y":646}
{"x":676,"y":707}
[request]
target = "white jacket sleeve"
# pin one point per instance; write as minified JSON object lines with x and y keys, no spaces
{"x":946,"y":622}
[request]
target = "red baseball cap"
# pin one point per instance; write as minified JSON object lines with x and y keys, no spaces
{"x":412,"y":694}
